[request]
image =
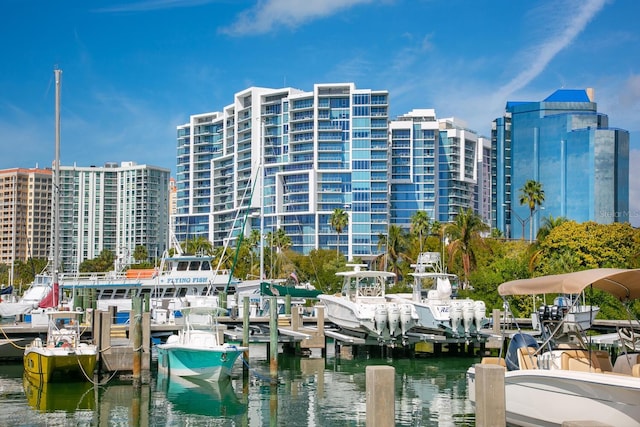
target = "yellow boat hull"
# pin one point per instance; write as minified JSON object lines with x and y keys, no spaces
{"x":47,"y":365}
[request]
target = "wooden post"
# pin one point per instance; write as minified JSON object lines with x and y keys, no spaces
{"x":273,"y":338}
{"x":287,"y":304}
{"x":380,"y":389}
{"x":490,"y":396}
{"x":495,"y":314}
{"x":137,"y":339}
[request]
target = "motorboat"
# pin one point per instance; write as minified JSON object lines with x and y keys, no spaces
{"x":559,"y":376}
{"x":362,"y":308}
{"x":433,"y":299}
{"x":63,"y":356}
{"x":38,"y":290}
{"x":198,"y":350}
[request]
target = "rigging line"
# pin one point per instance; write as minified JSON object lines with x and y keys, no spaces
{"x":241,"y":234}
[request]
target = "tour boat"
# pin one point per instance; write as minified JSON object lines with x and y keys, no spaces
{"x":179,"y":279}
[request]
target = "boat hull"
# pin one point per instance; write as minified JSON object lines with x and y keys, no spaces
{"x":349,"y":315}
{"x":60,"y":364}
{"x":212,"y":364}
{"x":548,"y":398}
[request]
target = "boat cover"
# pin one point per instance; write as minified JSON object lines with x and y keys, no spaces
{"x":624,"y":284}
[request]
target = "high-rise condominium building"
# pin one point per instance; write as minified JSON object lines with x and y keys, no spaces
{"x":436,"y":166}
{"x":25,"y":214}
{"x":286,"y":159}
{"x":567,"y":146}
{"x":115,"y":207}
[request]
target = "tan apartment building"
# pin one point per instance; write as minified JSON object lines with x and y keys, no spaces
{"x":25,"y":214}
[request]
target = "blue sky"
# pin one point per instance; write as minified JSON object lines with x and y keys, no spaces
{"x":133,"y":71}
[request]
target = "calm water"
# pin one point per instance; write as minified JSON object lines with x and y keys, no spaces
{"x":310,"y":392}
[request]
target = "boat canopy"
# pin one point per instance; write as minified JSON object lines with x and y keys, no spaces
{"x":624,"y":284}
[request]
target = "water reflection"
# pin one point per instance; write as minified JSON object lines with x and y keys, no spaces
{"x":310,"y":392}
{"x":214,"y":399}
{"x":51,"y":396}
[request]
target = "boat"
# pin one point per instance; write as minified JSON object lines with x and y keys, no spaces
{"x":63,"y":356}
{"x":57,"y":397}
{"x":179,"y":279}
{"x":362,"y":308}
{"x":38,"y":290}
{"x":198,"y":350}
{"x":560,"y":376}
{"x":432,"y":298}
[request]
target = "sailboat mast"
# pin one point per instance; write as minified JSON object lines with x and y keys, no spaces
{"x":56,"y":194}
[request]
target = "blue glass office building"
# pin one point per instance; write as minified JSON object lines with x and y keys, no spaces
{"x":567,"y":146}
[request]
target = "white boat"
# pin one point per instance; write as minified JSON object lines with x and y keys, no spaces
{"x":63,"y":356}
{"x":198,"y":351}
{"x":363,"y":309}
{"x":562,"y":378}
{"x":179,"y":280}
{"x":38,"y":290}
{"x":438,"y":312}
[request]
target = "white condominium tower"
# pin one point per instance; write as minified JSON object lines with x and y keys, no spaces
{"x":116,"y":207}
{"x":285,"y":159}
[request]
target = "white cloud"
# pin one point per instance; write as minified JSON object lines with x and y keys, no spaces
{"x":269,"y":14}
{"x":559,"y":33}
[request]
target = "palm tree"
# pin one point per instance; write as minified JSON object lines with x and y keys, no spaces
{"x":338,"y":221}
{"x":420,"y":226}
{"x":198,"y":245}
{"x":396,"y":245}
{"x":465,"y":232}
{"x":531,"y":194}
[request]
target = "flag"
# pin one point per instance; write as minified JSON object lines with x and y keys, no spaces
{"x":294,"y":276}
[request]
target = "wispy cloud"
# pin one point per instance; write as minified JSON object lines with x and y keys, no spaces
{"x":268,"y":14}
{"x":144,"y":6}
{"x":562,"y":28}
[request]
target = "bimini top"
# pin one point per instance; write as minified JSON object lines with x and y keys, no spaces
{"x":624,"y":284}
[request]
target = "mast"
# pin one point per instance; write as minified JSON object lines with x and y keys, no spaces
{"x":56,"y":195}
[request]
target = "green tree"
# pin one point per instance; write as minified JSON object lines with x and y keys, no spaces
{"x":465,"y":233}
{"x":140,"y":254}
{"x":338,"y":220}
{"x":420,"y":226}
{"x":531,"y":194}
{"x":104,"y":262}
{"x":395,"y":246}
{"x":198,"y":245}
